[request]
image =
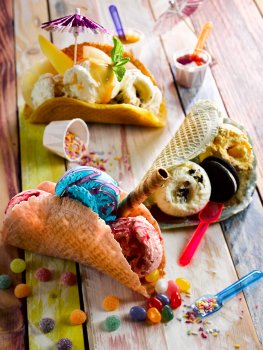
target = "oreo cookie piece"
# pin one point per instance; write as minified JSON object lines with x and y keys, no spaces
{"x":223,"y":177}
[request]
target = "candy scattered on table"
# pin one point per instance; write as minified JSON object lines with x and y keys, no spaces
{"x":93,"y":159}
{"x":153,"y":276}
{"x":18,"y":265}
{"x":112,"y":323}
{"x":68,"y":278}
{"x":154,"y":315}
{"x":74,"y":146}
{"x":64,"y":344}
{"x":47,"y":324}
{"x":183,"y":284}
{"x":138,"y":313}
{"x":172,"y":287}
{"x":237,"y":346}
{"x":175,"y":300}
{"x":161,"y":286}
{"x":5,"y":281}
{"x":22,"y":290}
{"x":43,"y":274}
{"x":163,"y":298}
{"x":77,"y":317}
{"x":154,"y":302}
{"x":110,"y":303}
{"x":167,"y":314}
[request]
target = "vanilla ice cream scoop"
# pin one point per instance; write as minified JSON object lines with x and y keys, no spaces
{"x":140,"y":243}
{"x":186,"y":192}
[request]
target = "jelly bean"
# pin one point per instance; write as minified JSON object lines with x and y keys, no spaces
{"x":161,"y":286}
{"x":110,"y":303}
{"x":154,"y":302}
{"x":153,"y":276}
{"x":163,"y":298}
{"x":68,"y":278}
{"x":47,"y":325}
{"x":43,"y":274}
{"x":112,"y":323}
{"x":172,"y":287}
{"x":138,"y":313}
{"x":64,"y":344}
{"x":183,"y":284}
{"x":175,"y":300}
{"x":154,"y":315}
{"x":22,"y":290}
{"x":167,"y":314}
{"x":5,"y":281}
{"x":77,"y":317}
{"x":18,"y":265}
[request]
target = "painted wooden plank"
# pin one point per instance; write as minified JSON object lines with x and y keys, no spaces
{"x":238,"y":66}
{"x":208,"y":90}
{"x":50,"y":299}
{"x":11,"y":318}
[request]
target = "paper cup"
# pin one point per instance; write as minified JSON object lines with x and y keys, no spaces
{"x":55,"y":133}
{"x":190,"y":76}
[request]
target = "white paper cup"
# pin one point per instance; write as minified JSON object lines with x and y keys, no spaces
{"x":189,"y":76}
{"x":55,"y":133}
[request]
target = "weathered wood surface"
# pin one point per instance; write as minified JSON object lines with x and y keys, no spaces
{"x":212,"y":264}
{"x":11,"y":318}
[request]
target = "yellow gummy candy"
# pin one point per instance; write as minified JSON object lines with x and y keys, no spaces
{"x":183,"y":284}
{"x":60,"y":61}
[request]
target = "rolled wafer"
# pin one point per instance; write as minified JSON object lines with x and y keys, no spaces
{"x":155,"y":180}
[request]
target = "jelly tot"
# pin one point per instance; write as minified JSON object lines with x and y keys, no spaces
{"x":138,"y":313}
{"x":112,"y":323}
{"x":167,"y":314}
{"x":22,"y":290}
{"x":110,"y":303}
{"x":154,"y":315}
{"x":183,"y":284}
{"x":163,"y":298}
{"x":175,"y":300}
{"x":161,"y":286}
{"x":172,"y":287}
{"x":77,"y":317}
{"x":153,"y":276}
{"x":5,"y":281}
{"x":154,"y":302}
{"x":18,"y":265}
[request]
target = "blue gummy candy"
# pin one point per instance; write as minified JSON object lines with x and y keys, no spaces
{"x":138,"y":313}
{"x":163,"y":298}
{"x":93,"y":188}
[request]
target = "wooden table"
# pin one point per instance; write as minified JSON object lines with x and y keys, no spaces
{"x":229,"y":250}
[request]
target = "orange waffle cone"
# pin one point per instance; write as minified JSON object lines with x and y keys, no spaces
{"x":64,"y":228}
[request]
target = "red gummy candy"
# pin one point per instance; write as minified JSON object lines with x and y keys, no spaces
{"x":43,"y":274}
{"x":154,"y":302}
{"x":172,"y":288}
{"x":68,"y":278}
{"x":175,"y":300}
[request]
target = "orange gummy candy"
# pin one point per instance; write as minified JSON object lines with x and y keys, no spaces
{"x":77,"y":317}
{"x":22,"y":290}
{"x":110,"y":303}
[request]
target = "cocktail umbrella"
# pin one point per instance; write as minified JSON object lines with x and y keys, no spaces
{"x":74,"y":24}
{"x":177,"y":10}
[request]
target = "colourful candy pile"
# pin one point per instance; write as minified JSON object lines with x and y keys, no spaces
{"x":93,"y":159}
{"x":74,"y":146}
{"x":205,"y":306}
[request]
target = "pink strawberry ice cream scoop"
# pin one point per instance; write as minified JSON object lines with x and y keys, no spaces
{"x":24,"y":196}
{"x":140,"y":243}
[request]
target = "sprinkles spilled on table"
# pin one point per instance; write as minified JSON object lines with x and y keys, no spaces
{"x":74,"y":146}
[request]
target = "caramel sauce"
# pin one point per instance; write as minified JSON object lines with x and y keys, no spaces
{"x":130,"y":38}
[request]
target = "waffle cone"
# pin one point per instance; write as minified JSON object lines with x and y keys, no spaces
{"x":64,"y":228}
{"x":65,"y":108}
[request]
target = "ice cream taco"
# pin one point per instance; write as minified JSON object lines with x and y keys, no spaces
{"x":76,"y":219}
{"x":209,"y":158}
{"x":102,"y":87}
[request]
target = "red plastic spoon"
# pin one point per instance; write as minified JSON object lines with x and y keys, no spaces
{"x":210,"y":213}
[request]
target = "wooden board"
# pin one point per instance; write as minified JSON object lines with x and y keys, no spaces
{"x":11,"y":318}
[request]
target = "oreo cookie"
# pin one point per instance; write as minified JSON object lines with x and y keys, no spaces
{"x":223,"y":177}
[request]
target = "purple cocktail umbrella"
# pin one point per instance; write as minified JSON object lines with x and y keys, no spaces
{"x":74,"y":24}
{"x":178,"y":10}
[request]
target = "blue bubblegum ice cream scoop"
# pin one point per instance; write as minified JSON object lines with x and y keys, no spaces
{"x":93,"y":188}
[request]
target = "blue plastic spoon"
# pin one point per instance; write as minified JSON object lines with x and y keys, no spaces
{"x":209,"y":303}
{"x":117,"y":21}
